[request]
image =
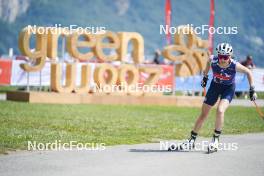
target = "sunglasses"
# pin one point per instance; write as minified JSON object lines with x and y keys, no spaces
{"x":224,"y":57}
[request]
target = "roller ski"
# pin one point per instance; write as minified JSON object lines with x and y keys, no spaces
{"x":185,"y":146}
{"x":213,"y":146}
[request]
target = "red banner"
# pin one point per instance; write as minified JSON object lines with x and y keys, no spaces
{"x":211,"y":24}
{"x":5,"y":71}
{"x":168,"y":19}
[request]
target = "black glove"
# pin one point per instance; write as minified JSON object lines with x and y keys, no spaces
{"x":252,"y":93}
{"x":204,"y":81}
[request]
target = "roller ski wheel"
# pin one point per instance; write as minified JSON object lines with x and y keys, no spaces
{"x":213,"y":146}
{"x":209,"y":150}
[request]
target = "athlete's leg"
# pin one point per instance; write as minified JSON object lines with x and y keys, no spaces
{"x":225,"y":100}
{"x":202,"y":117}
{"x":210,"y":100}
{"x":219,"y":121}
{"x":220,"y":113}
{"x":190,"y":143}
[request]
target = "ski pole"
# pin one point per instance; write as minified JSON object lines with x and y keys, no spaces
{"x":259,"y":110}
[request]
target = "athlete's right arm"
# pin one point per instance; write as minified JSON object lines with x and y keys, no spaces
{"x":207,"y":68}
{"x":205,"y":73}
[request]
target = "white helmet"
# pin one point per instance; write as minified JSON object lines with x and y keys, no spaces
{"x":224,"y":49}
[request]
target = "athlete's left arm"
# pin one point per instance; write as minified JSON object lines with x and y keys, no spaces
{"x":243,"y":69}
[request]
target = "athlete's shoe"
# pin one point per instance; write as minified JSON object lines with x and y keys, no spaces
{"x":186,"y":146}
{"x":213,"y":146}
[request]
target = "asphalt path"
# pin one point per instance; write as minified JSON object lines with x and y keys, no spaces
{"x":142,"y":159}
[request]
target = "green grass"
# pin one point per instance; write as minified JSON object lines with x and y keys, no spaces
{"x":4,"y":89}
{"x":260,"y":95}
{"x":22,"y":122}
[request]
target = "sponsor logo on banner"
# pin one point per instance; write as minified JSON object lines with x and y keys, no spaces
{"x":19,"y":76}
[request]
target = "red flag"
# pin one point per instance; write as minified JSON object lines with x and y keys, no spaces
{"x":211,"y":24}
{"x":168,"y":20}
{"x":210,"y":35}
